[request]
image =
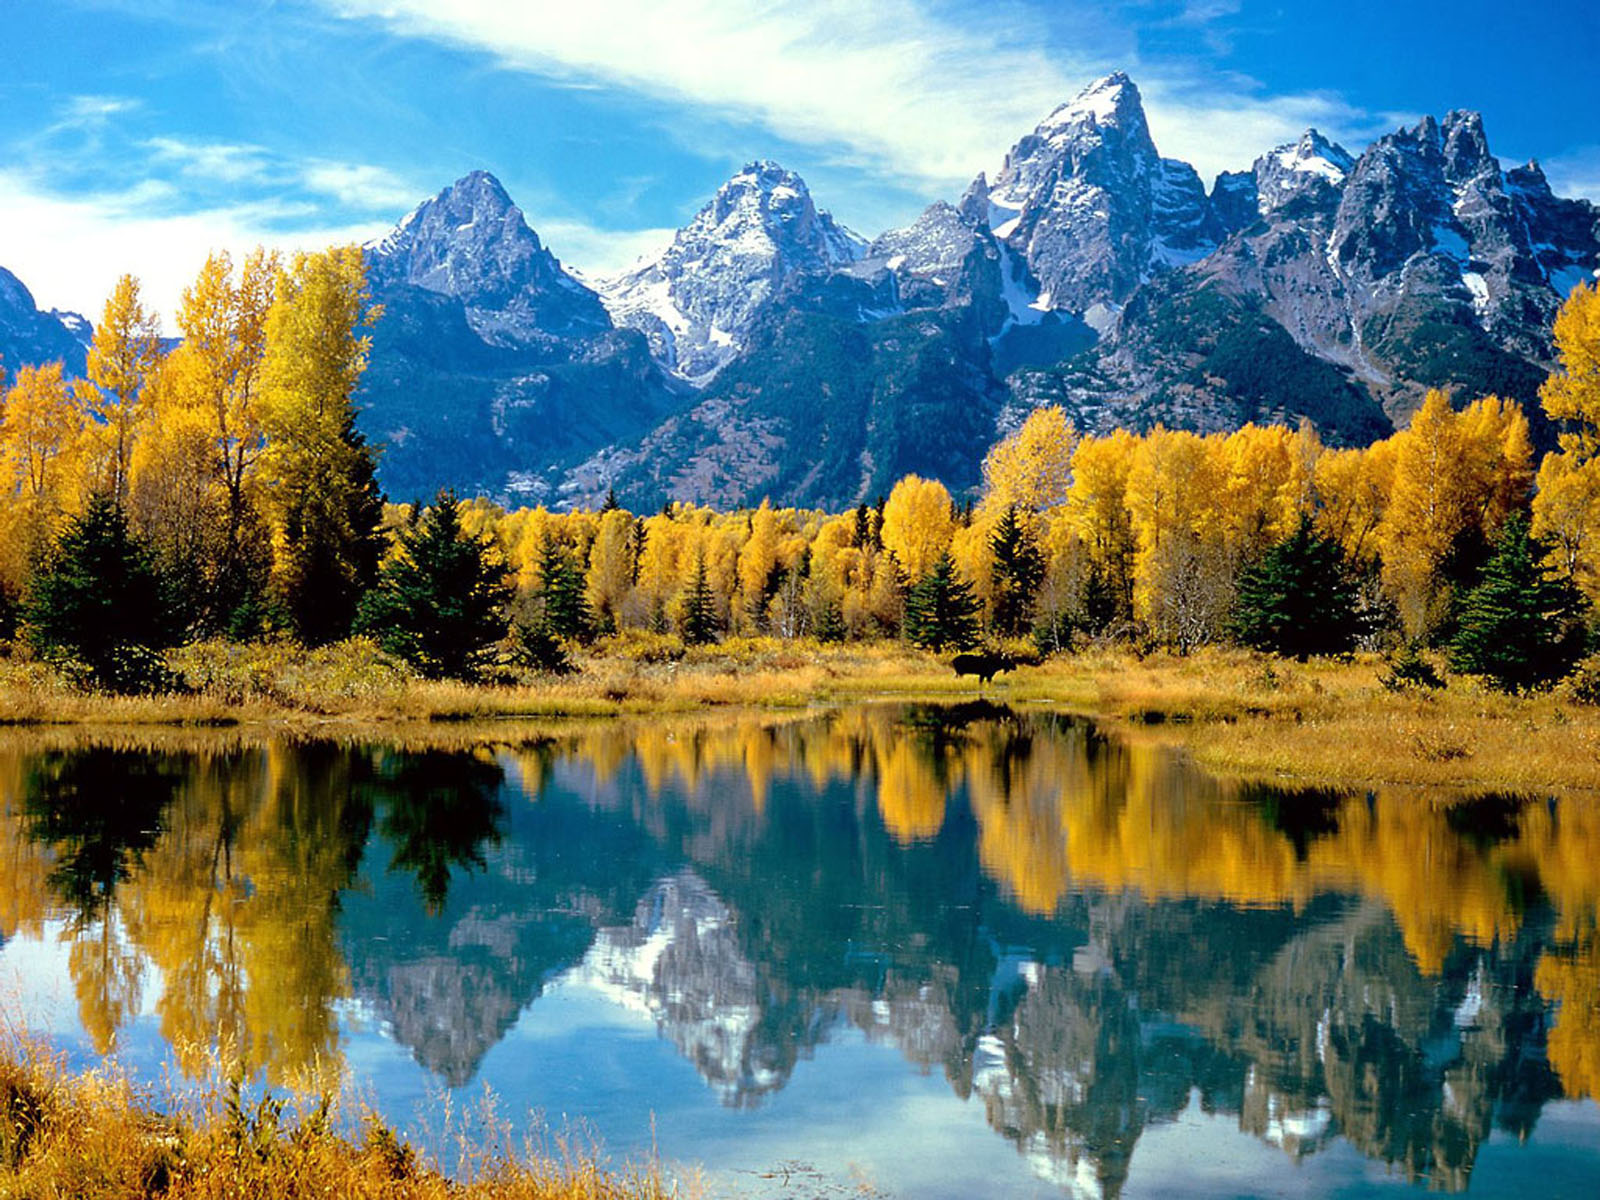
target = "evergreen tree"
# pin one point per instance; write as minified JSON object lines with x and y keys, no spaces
{"x":1018,"y":572}
{"x":1520,"y":627}
{"x":863,"y":533}
{"x":99,"y":597}
{"x":700,"y":609}
{"x":1299,"y":599}
{"x":562,"y":596}
{"x":441,"y":602}
{"x":611,"y":503}
{"x":941,"y":610}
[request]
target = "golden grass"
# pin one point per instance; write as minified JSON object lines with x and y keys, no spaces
{"x":1236,"y":712}
{"x":97,"y":1137}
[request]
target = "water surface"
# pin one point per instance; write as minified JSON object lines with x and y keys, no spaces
{"x":911,"y":950}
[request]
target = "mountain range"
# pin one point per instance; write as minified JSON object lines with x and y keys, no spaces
{"x":769,"y":351}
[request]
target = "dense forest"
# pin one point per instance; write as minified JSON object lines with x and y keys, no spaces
{"x":217,"y":486}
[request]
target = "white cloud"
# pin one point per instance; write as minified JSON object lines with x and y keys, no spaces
{"x":891,"y":85}
{"x":70,"y":250}
{"x":361,"y":186}
{"x":1576,"y":173}
{"x":219,"y":161}
{"x":595,"y":253}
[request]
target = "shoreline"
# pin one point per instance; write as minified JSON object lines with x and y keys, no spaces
{"x":1236,"y":713}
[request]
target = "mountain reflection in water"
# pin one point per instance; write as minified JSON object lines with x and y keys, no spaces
{"x":1085,"y":936}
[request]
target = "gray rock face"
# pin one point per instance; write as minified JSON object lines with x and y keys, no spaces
{"x":31,"y":337}
{"x":492,"y":368}
{"x":471,"y":243}
{"x":698,"y":301}
{"x":1091,"y":208}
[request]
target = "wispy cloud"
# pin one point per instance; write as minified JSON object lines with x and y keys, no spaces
{"x":218,"y":161}
{"x":1576,"y":173}
{"x":895,"y":85}
{"x":70,"y":249}
{"x":360,"y":186}
{"x":594,"y":252}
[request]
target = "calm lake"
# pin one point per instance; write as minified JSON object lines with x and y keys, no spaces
{"x":895,"y":950}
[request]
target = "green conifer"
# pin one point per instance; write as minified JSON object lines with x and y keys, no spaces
{"x":99,"y":597}
{"x":1018,"y":572}
{"x":441,"y":602}
{"x":941,"y":611}
{"x":1299,"y":599}
{"x":1520,"y":627}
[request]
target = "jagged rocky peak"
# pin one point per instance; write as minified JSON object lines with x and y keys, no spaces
{"x":470,"y":242}
{"x":1307,"y":174}
{"x":698,"y":300}
{"x":1090,"y":206}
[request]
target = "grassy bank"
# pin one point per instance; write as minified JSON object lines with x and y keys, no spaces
{"x":1237,"y":712}
{"x":94,"y":1136}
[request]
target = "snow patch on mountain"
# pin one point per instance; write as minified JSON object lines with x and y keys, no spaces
{"x":698,"y":300}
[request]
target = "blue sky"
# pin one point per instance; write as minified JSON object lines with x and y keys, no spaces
{"x":137,"y":134}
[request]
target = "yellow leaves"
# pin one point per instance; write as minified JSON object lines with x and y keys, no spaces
{"x":125,"y":350}
{"x":1573,"y":393}
{"x":1031,"y":469}
{"x":917,"y":524}
{"x":1566,"y":512}
{"x":1453,"y":473}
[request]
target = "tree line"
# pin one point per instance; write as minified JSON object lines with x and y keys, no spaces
{"x":220,"y":487}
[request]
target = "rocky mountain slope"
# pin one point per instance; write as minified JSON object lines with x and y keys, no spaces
{"x":29,"y":337}
{"x":492,"y":367}
{"x":769,"y":351}
{"x":698,"y":301}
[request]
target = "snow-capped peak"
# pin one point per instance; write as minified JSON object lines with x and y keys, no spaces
{"x":1315,"y":155}
{"x":698,"y":299}
{"x":1104,"y":101}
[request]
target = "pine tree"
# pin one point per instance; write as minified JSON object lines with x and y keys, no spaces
{"x":941,"y":610}
{"x":611,"y":503}
{"x":1018,"y":571}
{"x":1299,"y":599}
{"x":561,"y":595}
{"x":1520,"y":627}
{"x":700,"y":609}
{"x":441,"y":602}
{"x":100,"y":598}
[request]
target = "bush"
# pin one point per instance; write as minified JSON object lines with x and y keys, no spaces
{"x":538,"y":647}
{"x":642,"y":646}
{"x":1583,"y":685}
{"x":1409,"y":670}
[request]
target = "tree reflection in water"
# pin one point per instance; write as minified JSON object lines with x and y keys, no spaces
{"x":1084,"y":934}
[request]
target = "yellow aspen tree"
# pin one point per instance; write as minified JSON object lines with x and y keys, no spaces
{"x":1096,"y":510}
{"x":1572,"y":394}
{"x":1566,"y":508}
{"x":1500,"y":456}
{"x":757,"y":558}
{"x":126,"y":345}
{"x":175,"y":499}
{"x":1431,"y":503}
{"x":1264,"y":488}
{"x":1352,"y":488}
{"x":917,"y":524}
{"x":40,"y":431}
{"x":609,"y":578}
{"x":1031,"y":469}
{"x":1173,"y":486}
{"x":322,"y":497}
{"x":1566,"y":513}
